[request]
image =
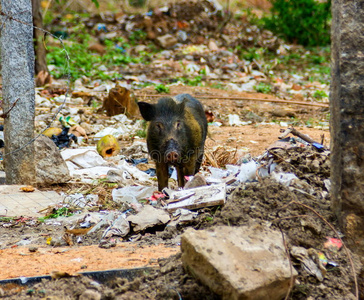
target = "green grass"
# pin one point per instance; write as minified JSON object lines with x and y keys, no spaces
{"x":84,"y":62}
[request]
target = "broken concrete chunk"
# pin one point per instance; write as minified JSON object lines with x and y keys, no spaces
{"x":197,"y":197}
{"x":148,"y":217}
{"x":197,"y":181}
{"x":49,"y":164}
{"x":238,"y":262}
{"x":182,"y":216}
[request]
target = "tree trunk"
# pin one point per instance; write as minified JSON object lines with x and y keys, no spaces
{"x":40,"y":51}
{"x":17,"y":56}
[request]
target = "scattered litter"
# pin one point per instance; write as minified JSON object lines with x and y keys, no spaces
{"x":86,"y":164}
{"x":235,"y":120}
{"x":81,"y":201}
{"x":284,"y":178}
{"x":286,"y":143}
{"x":302,"y":136}
{"x":333,"y":244}
{"x":326,"y":262}
{"x":49,"y":132}
{"x":83,"y":158}
{"x":132,"y":194}
{"x":24,"y":242}
{"x":133,"y":171}
{"x":197,"y":197}
{"x":327,"y":183}
{"x":67,"y":121}
{"x":247,"y":171}
{"x":310,"y":261}
{"x":155,"y":197}
{"x":181,"y":216}
{"x":120,"y":227}
{"x":64,"y":139}
{"x":148,"y":217}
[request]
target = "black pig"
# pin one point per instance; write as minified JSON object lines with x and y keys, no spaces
{"x":176,"y":135}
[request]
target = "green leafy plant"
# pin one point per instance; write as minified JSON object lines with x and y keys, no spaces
{"x":104,"y":183}
{"x":161,"y":88}
{"x":209,"y":218}
{"x":97,"y":4}
{"x":302,"y":21}
{"x":319,"y":94}
{"x":137,"y":35}
{"x":6,"y":219}
{"x":63,"y":211}
{"x":197,"y":81}
{"x":263,"y":87}
{"x":251,"y":53}
{"x":142,"y":133}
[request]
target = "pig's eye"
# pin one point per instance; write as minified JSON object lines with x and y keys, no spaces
{"x":178,"y":125}
{"x":159,"y":126}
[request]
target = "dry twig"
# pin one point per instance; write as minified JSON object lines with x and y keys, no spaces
{"x":220,"y":156}
{"x":325,"y":105}
{"x":5,"y":114}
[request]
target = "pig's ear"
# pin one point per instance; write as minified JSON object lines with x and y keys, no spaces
{"x":147,"y":110}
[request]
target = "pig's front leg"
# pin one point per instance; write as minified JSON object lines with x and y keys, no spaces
{"x":162,"y":175}
{"x":180,"y":176}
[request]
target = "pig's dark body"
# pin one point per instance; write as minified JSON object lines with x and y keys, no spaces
{"x":176,"y":135}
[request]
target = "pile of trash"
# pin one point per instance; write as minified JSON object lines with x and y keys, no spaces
{"x":132,"y":181}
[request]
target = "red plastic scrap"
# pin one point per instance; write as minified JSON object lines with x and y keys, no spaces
{"x":156,"y":196}
{"x":333,"y":244}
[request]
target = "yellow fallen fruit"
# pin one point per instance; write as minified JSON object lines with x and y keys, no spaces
{"x":108,"y":146}
{"x":52,"y":131}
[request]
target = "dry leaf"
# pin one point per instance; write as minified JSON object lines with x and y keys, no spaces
{"x":27,"y":189}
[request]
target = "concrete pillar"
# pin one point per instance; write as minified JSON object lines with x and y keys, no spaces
{"x":347,"y":119}
{"x":17,"y":59}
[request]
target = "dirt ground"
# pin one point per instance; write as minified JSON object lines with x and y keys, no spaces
{"x":301,"y":211}
{"x":263,"y":201}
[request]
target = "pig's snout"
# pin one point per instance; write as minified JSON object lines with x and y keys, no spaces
{"x":172,"y":157}
{"x":172,"y":152}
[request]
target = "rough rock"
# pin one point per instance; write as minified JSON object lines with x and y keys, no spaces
{"x":49,"y":164}
{"x":167,"y":41}
{"x":238,"y":262}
